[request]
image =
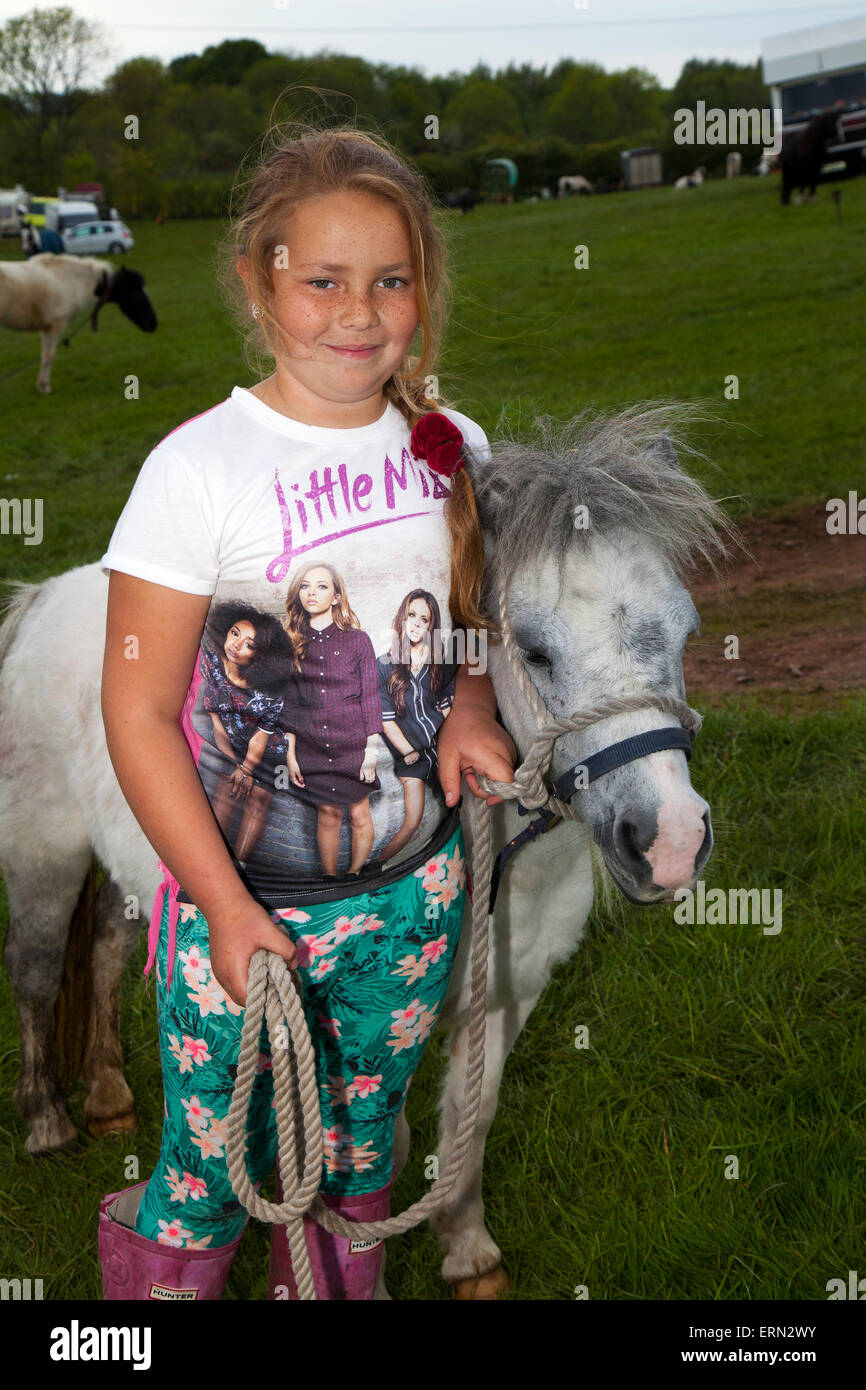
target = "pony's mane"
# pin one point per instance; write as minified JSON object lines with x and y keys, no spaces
{"x":621,"y":466}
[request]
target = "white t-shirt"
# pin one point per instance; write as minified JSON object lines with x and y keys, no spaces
{"x":270,"y":517}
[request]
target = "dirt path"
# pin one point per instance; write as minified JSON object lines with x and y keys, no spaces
{"x":799,"y":611}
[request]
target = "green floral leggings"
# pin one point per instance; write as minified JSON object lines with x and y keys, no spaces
{"x":374,"y":970}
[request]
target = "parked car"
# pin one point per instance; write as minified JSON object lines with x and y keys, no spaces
{"x":95,"y":238}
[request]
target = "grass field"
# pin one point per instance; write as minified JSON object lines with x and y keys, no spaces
{"x":606,"y":1166}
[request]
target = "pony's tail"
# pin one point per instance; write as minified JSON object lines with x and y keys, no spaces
{"x":74,"y":1008}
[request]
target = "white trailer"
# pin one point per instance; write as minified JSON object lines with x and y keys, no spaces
{"x":822,"y":69}
{"x":11,"y":199}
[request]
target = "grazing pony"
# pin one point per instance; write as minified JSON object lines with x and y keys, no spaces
{"x":465,"y":200}
{"x":587,"y":534}
{"x":803,"y":155}
{"x":44,"y":294}
{"x":693,"y":180}
{"x":573,"y":183}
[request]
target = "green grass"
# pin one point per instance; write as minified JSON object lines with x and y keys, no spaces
{"x":604,"y":1167}
{"x":682,"y":291}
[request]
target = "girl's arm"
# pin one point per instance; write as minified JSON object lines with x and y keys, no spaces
{"x":471,"y":740}
{"x":256,"y":748}
{"x":395,"y":735}
{"x":142,"y":700}
{"x":221,"y":737}
{"x":295,"y":774}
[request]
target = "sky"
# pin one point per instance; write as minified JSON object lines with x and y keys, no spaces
{"x":442,"y":36}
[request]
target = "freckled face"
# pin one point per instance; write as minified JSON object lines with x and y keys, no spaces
{"x":240,"y":644}
{"x":346,"y":303}
{"x":317,"y":592}
{"x":418,"y":620}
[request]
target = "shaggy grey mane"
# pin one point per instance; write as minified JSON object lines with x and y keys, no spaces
{"x":623,"y":467}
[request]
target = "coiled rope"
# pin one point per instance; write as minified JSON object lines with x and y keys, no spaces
{"x":273,"y":994}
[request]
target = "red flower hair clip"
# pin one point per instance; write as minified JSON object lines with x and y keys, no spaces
{"x":440,"y":443}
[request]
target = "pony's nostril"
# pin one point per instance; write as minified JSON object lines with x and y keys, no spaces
{"x":633,"y":834}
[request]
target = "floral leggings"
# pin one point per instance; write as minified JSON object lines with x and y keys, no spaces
{"x":374,"y":969}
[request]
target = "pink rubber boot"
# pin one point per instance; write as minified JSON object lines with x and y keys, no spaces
{"x":134,"y":1267}
{"x":342,"y":1268}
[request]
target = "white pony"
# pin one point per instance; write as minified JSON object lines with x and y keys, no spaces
{"x":44,"y":294}
{"x":586,"y":537}
{"x":573,"y":183}
{"x":693,"y":180}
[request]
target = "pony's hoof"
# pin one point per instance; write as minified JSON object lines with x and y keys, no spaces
{"x":52,"y":1134}
{"x":67,"y":1146}
{"x":112,"y":1124}
{"x":485,"y":1287}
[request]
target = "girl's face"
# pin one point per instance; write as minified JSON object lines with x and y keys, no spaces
{"x":418,"y":620}
{"x":317,"y":592}
{"x":346,"y":301}
{"x":241,"y":643}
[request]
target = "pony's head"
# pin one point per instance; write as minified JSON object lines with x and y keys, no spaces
{"x":588,"y":531}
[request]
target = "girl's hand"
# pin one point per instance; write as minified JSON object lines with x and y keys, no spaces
{"x":368,"y":769}
{"x":471,"y":740}
{"x":295,"y":774}
{"x":235,"y":935}
{"x":240,"y":783}
{"x":412,"y":757}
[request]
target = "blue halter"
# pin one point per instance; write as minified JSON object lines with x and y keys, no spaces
{"x":628,"y":750}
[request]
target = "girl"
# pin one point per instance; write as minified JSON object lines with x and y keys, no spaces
{"x":237,"y":665}
{"x":341,"y":262}
{"x":417,"y":693}
{"x":335,"y":713}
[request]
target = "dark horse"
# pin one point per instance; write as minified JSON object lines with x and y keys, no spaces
{"x":465,"y":200}
{"x":803,"y":154}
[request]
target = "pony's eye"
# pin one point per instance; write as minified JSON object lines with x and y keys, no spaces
{"x":536,"y":658}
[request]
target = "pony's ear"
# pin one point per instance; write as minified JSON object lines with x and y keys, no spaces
{"x":490,"y":493}
{"x":663,"y":449}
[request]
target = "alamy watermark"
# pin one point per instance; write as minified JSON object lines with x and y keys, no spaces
{"x":738,"y":126}
{"x":734,"y":907}
{"x":22,"y":516}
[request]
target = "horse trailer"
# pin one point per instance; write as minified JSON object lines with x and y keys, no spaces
{"x":822,"y":69}
{"x":641,"y":168}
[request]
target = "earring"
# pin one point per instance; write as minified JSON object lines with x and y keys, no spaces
{"x":255,"y":310}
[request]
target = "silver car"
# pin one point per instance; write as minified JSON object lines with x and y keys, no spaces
{"x":93,"y":238}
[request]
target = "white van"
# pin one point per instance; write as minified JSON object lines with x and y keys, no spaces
{"x":69,"y":212}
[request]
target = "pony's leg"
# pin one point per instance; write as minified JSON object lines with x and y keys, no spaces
{"x":50,"y":338}
{"x":473,"y":1260}
{"x":109,"y":1106}
{"x":400,"y":1155}
{"x":42,"y":897}
{"x":402,"y":1143}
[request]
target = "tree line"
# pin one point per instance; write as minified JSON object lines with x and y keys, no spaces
{"x":197,"y":117}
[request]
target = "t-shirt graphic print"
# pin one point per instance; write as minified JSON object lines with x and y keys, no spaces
{"x":327,"y":664}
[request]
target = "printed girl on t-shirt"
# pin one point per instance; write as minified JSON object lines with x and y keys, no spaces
{"x":333,"y":715}
{"x":244,"y":663}
{"x":417,"y":691}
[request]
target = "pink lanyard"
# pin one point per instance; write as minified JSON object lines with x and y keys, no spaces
{"x":170,"y":885}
